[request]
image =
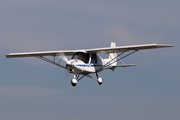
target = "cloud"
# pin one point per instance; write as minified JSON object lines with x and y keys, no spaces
{"x":36,"y":102}
{"x":27,"y":91}
{"x":44,"y":25}
{"x":60,"y":24}
{"x":123,"y":35}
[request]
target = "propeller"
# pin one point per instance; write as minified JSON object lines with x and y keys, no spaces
{"x":63,"y":57}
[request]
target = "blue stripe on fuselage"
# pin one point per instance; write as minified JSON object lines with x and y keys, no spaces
{"x":91,"y":65}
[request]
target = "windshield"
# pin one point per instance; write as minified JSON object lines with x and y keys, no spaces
{"x":81,"y":56}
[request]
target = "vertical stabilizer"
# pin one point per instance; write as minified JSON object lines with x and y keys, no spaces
{"x":112,"y":56}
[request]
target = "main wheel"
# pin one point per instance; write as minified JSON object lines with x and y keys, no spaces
{"x":74,"y":82}
{"x":100,"y":80}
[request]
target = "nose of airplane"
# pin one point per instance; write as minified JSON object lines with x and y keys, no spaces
{"x":71,"y":62}
{"x":69,"y":66}
{"x":68,"y":62}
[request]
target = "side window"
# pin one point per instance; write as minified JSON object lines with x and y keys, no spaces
{"x":94,"y":58}
{"x":81,"y":56}
{"x":87,"y":58}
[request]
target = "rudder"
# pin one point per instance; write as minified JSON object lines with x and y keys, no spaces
{"x":112,"y":56}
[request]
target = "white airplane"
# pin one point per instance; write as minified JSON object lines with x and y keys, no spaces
{"x":87,"y":61}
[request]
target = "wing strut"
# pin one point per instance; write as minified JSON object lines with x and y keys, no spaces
{"x":51,"y":61}
{"x":109,"y":63}
{"x":121,"y":57}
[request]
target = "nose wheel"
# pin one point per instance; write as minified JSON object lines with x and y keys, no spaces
{"x":74,"y":81}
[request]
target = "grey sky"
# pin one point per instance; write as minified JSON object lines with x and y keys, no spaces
{"x":32,"y":89}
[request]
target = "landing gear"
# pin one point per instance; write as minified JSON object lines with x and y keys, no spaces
{"x":74,"y":82}
{"x":100,"y":80}
{"x":77,"y":78}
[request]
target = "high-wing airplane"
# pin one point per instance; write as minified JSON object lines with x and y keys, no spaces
{"x":87,"y":61}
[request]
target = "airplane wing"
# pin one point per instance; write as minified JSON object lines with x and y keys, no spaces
{"x":44,"y":53}
{"x":105,"y":50}
{"x":126,"y":48}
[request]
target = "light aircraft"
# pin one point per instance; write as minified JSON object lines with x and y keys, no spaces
{"x":87,"y":61}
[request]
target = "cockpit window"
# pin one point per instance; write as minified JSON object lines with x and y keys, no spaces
{"x":86,"y":60}
{"x":82,"y":56}
{"x":94,"y":58}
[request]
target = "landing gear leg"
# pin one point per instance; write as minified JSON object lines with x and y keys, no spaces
{"x":99,"y":79}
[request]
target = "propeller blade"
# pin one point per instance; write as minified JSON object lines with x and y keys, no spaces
{"x":63,"y":57}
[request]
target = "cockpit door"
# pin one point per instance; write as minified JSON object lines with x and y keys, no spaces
{"x":94,"y":58}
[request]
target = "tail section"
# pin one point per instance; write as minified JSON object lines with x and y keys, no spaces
{"x":112,"y":56}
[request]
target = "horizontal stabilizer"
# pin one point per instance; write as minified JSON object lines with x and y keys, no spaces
{"x":128,"y":65}
{"x":114,"y":66}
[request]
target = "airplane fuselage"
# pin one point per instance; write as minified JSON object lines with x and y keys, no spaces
{"x":91,"y":63}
